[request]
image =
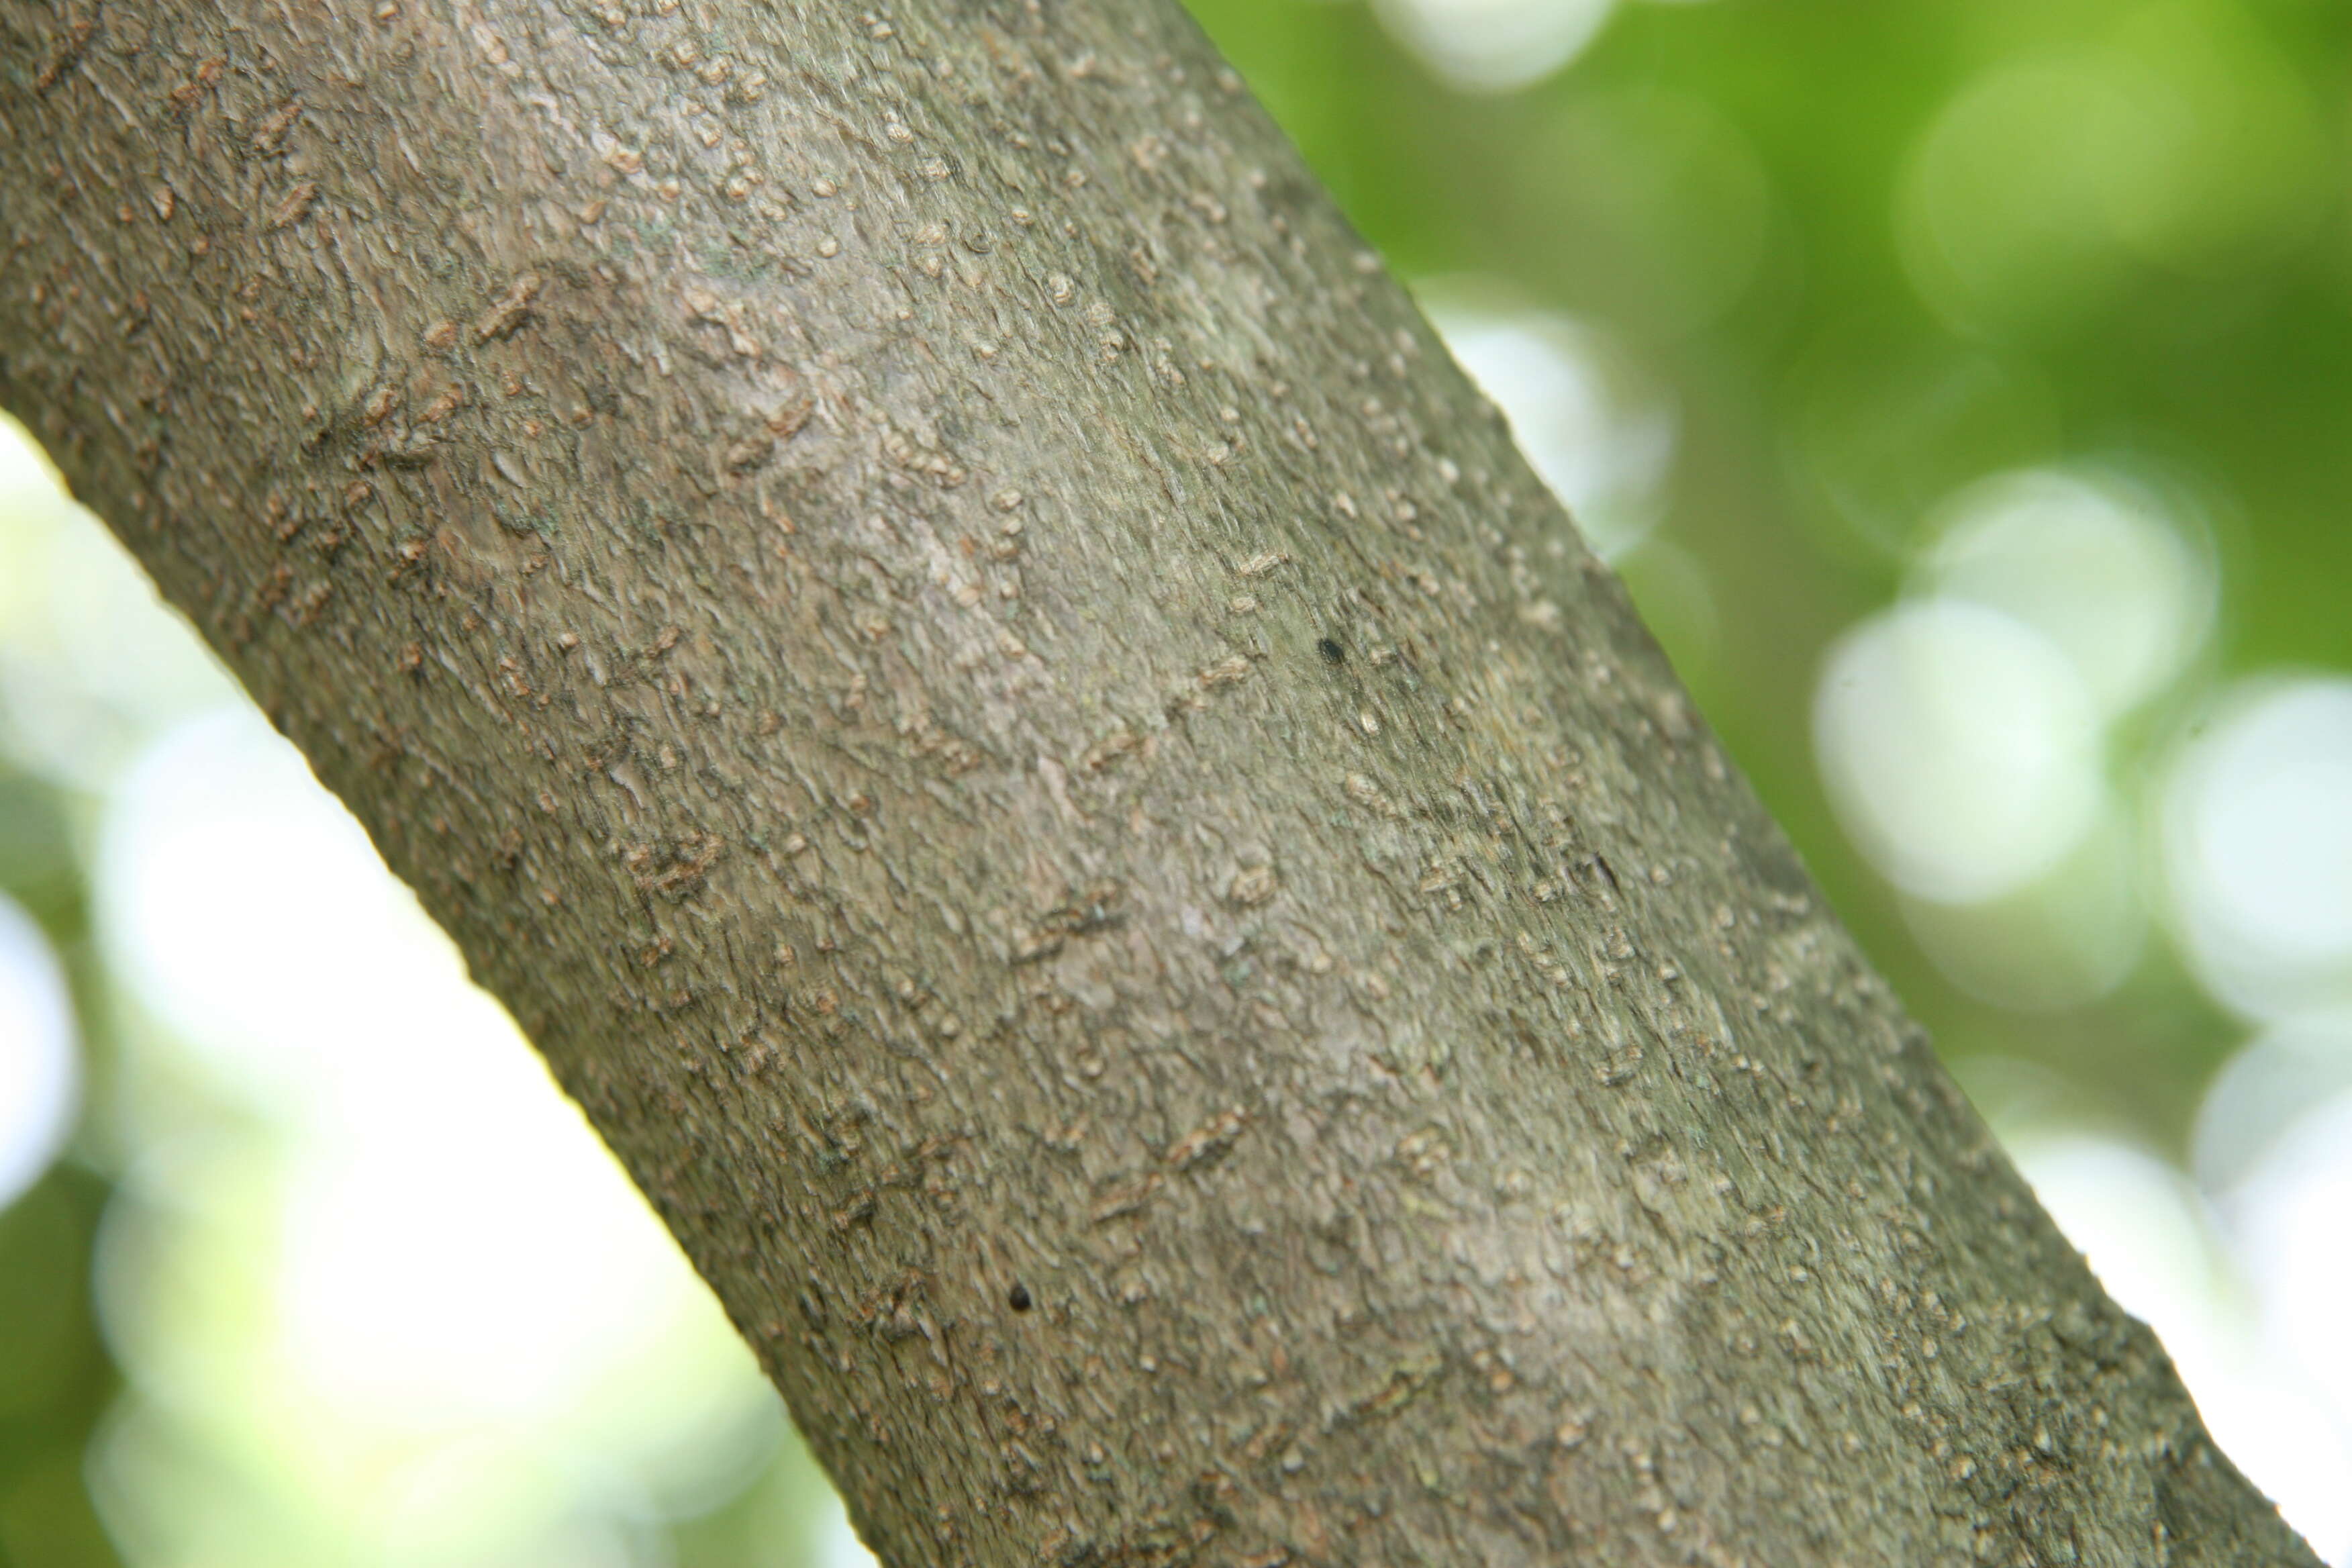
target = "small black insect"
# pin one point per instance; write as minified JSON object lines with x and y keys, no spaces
{"x":1331,"y":651}
{"x":1019,"y":1297}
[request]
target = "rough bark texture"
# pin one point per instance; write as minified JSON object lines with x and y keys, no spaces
{"x":952,"y":646}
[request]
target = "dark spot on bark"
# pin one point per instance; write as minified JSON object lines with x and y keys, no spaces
{"x":1019,"y":1297}
{"x":1331,"y":651}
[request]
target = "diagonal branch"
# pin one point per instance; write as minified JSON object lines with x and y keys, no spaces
{"x":942,"y":635}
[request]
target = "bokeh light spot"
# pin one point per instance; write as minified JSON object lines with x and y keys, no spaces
{"x":836,"y":1544}
{"x":2064,"y":940}
{"x":244,"y":903}
{"x":90,"y":660}
{"x":2284,"y":1074}
{"x":2258,"y":846}
{"x":2000,"y":214}
{"x":2287,"y":1222}
{"x":1593,"y":426}
{"x":2134,"y":1218}
{"x":414,"y":1273}
{"x":1494,"y":45}
{"x":40,"y":1064}
{"x":2092,"y":563}
{"x":2177,"y":141}
{"x":1960,"y":747}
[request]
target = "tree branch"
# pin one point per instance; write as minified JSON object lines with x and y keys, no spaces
{"x":938,"y":629}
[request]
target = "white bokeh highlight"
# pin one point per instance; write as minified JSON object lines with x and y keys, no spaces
{"x":40,"y":1061}
{"x":2258,"y":845}
{"x":2064,"y":940}
{"x":1600,"y":437}
{"x":425,"y":1277}
{"x":1494,"y":45}
{"x":2287,"y":1220}
{"x":837,"y":1543}
{"x":2276,"y":1078}
{"x":91,"y":662}
{"x":28,"y":481}
{"x":2095,"y":564}
{"x":2291,"y":1217}
{"x":1964,"y":733}
{"x":241,"y":903}
{"x":1960,"y":747}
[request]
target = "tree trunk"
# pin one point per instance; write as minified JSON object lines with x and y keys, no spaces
{"x":935,"y":626}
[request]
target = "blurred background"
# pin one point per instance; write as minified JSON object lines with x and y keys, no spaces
{"x":1963,"y":387}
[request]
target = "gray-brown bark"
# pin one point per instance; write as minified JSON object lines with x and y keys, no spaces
{"x":956,"y":652}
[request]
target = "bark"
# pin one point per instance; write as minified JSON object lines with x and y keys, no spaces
{"x":935,"y":626}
